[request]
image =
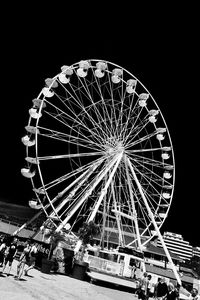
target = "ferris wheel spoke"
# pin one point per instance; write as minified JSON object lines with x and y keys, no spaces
{"x":79,"y":104}
{"x":61,"y":136}
{"x":142,"y":192}
{"x":86,"y":192}
{"x":121,"y":94}
{"x":151,"y":178}
{"x":143,"y":219}
{"x":134,"y":213}
{"x":155,"y":177}
{"x":117,"y":216}
{"x":78,"y":183}
{"x":112,"y":164}
{"x":49,"y":157}
{"x":90,"y":97}
{"x":130,"y":110}
{"x":86,"y":138}
{"x":106,"y":115}
{"x":151,"y":162}
{"x":131,"y":142}
{"x":66,"y":189}
{"x":72,"y":174}
{"x":146,"y":150}
{"x":152,"y":203}
{"x":110,"y":90}
{"x":141,"y":208}
{"x":99,"y":118}
{"x":123,"y":110}
{"x":64,"y":117}
{"x":134,"y":126}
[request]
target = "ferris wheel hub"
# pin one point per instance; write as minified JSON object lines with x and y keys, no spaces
{"x":114,"y":147}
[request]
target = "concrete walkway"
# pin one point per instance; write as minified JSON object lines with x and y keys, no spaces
{"x":42,"y":286}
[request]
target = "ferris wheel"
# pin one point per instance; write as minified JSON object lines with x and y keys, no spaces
{"x":98,"y":149}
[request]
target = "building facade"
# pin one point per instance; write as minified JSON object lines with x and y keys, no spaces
{"x":176,"y":244}
{"x":196,"y":251}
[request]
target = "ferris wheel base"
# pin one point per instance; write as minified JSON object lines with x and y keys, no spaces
{"x":113,"y":279}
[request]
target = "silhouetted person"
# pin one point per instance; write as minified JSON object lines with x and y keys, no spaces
{"x":172,"y":292}
{"x":161,"y":290}
{"x":142,"y":291}
{"x":194,"y":294}
{"x":9,"y":255}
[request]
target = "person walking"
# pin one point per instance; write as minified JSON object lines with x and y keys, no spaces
{"x":24,"y":259}
{"x":2,"y":251}
{"x":9,"y":255}
{"x":32,"y":258}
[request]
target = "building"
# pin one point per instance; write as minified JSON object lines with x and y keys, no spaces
{"x":196,"y":251}
{"x":176,"y":244}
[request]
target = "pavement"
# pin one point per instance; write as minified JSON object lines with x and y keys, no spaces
{"x":43,"y":286}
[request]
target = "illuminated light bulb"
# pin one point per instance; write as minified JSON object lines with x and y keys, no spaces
{"x":142,"y":103}
{"x":165,"y":155}
{"x":166,"y":195}
{"x":160,"y":137}
{"x":167,"y":175}
{"x":152,"y":119}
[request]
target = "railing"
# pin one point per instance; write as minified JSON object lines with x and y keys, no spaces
{"x":8,"y":227}
{"x":9,"y":222}
{"x":104,"y":265}
{"x":14,"y":223}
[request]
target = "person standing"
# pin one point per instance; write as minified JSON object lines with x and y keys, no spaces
{"x":10,"y":254}
{"x":161,"y":289}
{"x":150,"y":287}
{"x":194,"y":294}
{"x":142,"y":291}
{"x":24,"y":259}
{"x":172,"y":293}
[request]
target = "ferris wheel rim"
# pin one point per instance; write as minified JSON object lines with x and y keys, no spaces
{"x":91,"y":104}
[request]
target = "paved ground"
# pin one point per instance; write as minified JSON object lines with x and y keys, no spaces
{"x":42,"y":286}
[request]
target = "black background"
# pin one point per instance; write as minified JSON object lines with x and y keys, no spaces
{"x":159,"y":45}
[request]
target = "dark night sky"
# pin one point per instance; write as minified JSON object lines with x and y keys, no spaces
{"x":160,"y":49}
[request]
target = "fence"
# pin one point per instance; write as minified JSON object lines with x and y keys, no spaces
{"x":8,"y":227}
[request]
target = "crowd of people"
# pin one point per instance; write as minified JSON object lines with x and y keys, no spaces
{"x":9,"y":251}
{"x":161,"y":290}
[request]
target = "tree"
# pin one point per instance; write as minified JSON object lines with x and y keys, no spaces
{"x":86,"y":233}
{"x":52,"y":236}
